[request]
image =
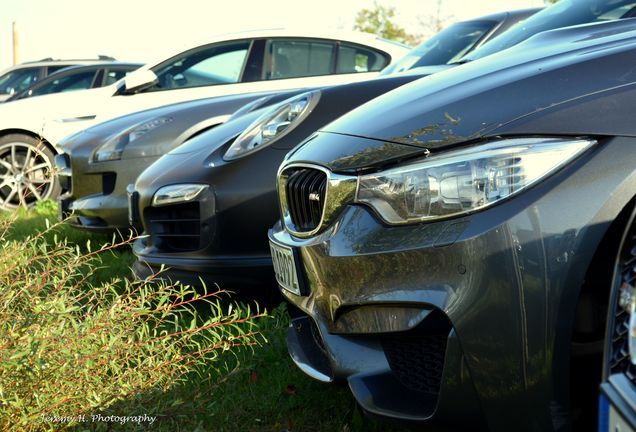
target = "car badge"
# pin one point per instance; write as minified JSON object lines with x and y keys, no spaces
{"x":314,"y":197}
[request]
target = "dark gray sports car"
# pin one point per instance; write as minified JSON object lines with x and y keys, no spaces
{"x":449,"y":247}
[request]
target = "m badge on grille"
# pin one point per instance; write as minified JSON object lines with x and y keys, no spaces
{"x":314,"y":197}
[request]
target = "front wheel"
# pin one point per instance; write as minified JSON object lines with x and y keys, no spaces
{"x":26,"y":172}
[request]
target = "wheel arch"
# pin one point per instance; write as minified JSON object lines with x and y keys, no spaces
{"x":32,"y":134}
{"x":579,"y":346}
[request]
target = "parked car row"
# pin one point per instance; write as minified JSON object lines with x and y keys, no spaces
{"x":454,"y":236}
{"x":245,"y":62}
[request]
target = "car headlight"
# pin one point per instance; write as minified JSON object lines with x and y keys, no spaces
{"x":273,"y":125}
{"x":113,"y":148}
{"x":177,"y":193}
{"x":466,"y":180}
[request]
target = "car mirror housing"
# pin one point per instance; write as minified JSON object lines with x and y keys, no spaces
{"x":139,"y":80}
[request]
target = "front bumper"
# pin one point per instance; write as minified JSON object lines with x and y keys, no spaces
{"x":192,"y":269}
{"x":94,"y":195}
{"x":506,"y":280}
{"x":221,"y":235}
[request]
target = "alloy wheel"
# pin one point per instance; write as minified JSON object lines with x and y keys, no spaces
{"x":26,"y":175}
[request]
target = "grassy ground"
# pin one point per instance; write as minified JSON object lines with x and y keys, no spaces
{"x":264,"y":391}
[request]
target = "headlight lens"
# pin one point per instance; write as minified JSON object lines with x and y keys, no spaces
{"x":114,"y":147}
{"x":178,"y":193}
{"x":466,"y":180}
{"x":272,"y":125}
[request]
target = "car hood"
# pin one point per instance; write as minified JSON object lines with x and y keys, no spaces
{"x":176,"y":166}
{"x":178,"y":123}
{"x":576,"y":81}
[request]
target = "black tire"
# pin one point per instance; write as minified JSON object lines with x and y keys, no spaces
{"x":26,"y":172}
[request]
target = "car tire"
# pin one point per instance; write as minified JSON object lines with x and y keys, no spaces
{"x":26,"y":172}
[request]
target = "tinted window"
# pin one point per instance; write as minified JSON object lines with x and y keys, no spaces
{"x":293,"y":59}
{"x":18,"y":80}
{"x":112,"y":76}
{"x":353,"y":59}
{"x":79,"y":81}
{"x":51,"y":69}
{"x":217,"y":64}
{"x":562,"y":14}
{"x":446,"y":46}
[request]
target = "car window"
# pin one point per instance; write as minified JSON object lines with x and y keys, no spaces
{"x":68,"y":83}
{"x":18,"y":80}
{"x":352,"y":59}
{"x":447,"y":46}
{"x":51,"y":69}
{"x":298,"y":58}
{"x":112,"y":76}
{"x":216,"y":64}
{"x":562,"y":14}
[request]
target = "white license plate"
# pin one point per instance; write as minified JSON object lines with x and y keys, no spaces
{"x":285,"y":267}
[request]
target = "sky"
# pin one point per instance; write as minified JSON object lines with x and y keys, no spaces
{"x":142,"y":30}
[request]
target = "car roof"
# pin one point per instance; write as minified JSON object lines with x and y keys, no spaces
{"x":53,"y":62}
{"x":93,"y":66}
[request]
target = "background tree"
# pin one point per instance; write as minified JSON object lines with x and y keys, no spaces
{"x":435,"y":21}
{"x":379,"y":21}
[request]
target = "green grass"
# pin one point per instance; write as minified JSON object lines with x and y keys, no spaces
{"x":264,"y":391}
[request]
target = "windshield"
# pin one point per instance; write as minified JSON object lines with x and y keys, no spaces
{"x":562,"y":14}
{"x":445,"y":47}
{"x":18,"y":80}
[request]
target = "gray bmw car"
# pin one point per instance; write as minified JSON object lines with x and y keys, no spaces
{"x":449,"y":246}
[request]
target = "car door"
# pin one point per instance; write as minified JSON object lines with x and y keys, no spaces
{"x":241,"y":66}
{"x":206,"y":71}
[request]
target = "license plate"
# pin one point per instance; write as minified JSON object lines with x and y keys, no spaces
{"x":285,"y":267}
{"x":610,"y":419}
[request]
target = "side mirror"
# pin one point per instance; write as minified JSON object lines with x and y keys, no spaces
{"x":139,"y":80}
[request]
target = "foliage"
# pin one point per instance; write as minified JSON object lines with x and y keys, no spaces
{"x":251,"y":388}
{"x":379,"y":21}
{"x":70,"y":347}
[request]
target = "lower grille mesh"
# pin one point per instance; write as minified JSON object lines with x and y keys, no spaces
{"x":417,"y":357}
{"x":418,"y":363}
{"x":175,"y":228}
